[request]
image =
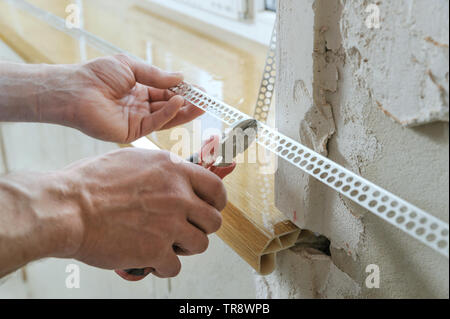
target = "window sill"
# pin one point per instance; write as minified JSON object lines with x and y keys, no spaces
{"x":258,"y":30}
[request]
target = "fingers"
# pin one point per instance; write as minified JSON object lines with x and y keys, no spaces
{"x":206,"y":218}
{"x":186,"y":114}
{"x":150,"y":75}
{"x":167,"y":266}
{"x":209,"y":151}
{"x":159,"y":95}
{"x":155,"y":121}
{"x":134,"y":274}
{"x":191,"y":241}
{"x":223,"y":172}
{"x":207,"y":186}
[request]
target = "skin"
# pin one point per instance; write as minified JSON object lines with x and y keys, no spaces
{"x":103,"y":211}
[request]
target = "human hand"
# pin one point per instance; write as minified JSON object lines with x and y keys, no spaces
{"x":119,"y":99}
{"x":145,"y":214}
{"x":206,"y":158}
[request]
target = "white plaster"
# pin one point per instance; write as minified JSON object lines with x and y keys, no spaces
{"x":315,"y":77}
{"x":405,"y":62}
{"x":305,"y":274}
{"x":338,"y":285}
{"x":360,"y":70}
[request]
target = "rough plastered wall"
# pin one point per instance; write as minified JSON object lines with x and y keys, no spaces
{"x":373,"y":98}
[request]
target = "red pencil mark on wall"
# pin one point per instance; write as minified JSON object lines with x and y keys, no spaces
{"x":295,"y":215}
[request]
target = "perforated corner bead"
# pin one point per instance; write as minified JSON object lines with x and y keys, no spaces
{"x":267,"y":87}
{"x":225,"y":113}
{"x":406,"y":217}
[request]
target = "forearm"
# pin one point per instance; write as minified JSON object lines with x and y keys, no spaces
{"x":36,"y":93}
{"x":37,"y":219}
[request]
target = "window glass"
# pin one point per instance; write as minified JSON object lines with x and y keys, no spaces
{"x":271,"y":5}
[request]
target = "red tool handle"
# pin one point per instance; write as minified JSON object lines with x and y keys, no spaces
{"x":206,"y":158}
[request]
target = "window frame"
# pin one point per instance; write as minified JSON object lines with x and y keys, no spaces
{"x":257,"y":27}
{"x":233,"y":9}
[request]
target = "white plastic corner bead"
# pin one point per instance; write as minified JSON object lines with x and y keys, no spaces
{"x":267,"y":87}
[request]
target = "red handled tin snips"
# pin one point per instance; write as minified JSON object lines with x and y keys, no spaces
{"x":217,"y":155}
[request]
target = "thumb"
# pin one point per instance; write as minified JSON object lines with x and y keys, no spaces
{"x":155,"y":121}
{"x":150,"y":75}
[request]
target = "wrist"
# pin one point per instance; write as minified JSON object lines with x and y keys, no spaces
{"x":37,"y":92}
{"x":56,"y":94}
{"x":57,"y":207}
{"x":46,"y":215}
